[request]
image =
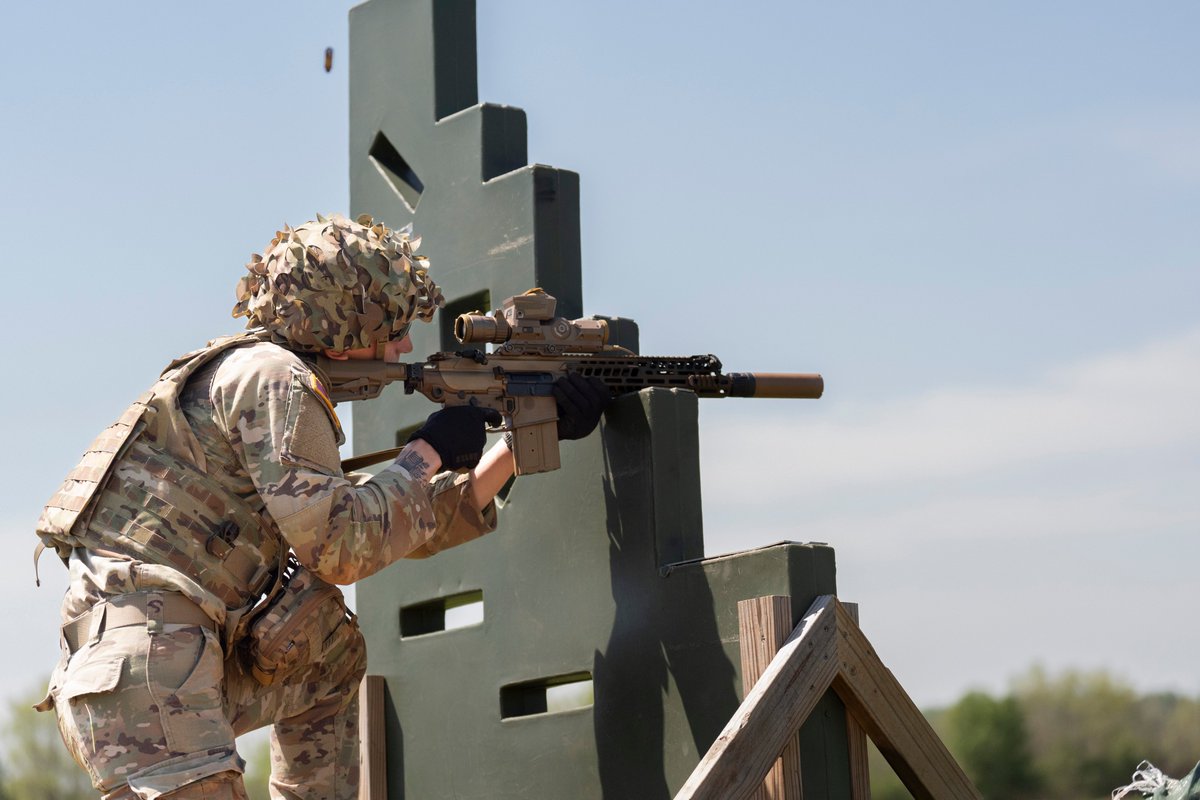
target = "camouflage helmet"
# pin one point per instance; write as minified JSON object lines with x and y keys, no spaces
{"x":337,"y":284}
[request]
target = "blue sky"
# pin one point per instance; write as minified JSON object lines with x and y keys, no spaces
{"x":979,"y":222}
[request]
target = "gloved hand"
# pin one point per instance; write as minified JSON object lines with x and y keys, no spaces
{"x":457,"y":434}
{"x":581,"y":401}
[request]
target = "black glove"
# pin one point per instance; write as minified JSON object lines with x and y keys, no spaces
{"x":457,"y":434}
{"x":581,"y":401}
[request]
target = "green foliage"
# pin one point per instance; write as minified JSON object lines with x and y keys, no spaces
{"x":1075,"y":736}
{"x":37,"y":765}
{"x":884,"y":783}
{"x":258,"y":768}
{"x":1083,"y":728}
{"x":989,"y":739}
{"x":1170,"y":727}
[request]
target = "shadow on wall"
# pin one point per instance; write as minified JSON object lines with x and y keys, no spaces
{"x":663,"y":675}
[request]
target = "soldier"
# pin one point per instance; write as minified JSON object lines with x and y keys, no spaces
{"x":203,"y":531}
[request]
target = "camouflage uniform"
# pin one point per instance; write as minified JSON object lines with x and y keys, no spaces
{"x":241,"y":434}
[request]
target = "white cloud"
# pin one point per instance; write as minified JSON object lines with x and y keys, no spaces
{"x":1167,"y":145}
{"x":985,"y":531}
{"x":1142,"y":508}
{"x":1126,"y":401}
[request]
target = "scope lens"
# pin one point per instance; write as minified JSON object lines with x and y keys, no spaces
{"x":477,"y":328}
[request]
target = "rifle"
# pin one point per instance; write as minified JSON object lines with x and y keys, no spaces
{"x":532,"y":349}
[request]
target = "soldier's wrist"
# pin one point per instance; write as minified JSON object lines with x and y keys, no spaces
{"x":420,"y":459}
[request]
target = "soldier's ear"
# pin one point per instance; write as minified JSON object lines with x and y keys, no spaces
{"x":336,"y":355}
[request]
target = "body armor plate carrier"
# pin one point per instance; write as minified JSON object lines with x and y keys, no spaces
{"x":175,"y":515}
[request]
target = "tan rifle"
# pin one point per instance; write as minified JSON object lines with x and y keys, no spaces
{"x":532,"y":349}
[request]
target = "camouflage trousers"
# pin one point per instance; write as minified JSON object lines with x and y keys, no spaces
{"x":152,"y":710}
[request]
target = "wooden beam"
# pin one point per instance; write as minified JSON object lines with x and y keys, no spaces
{"x":372,"y":782}
{"x":826,"y":649}
{"x":772,"y":712}
{"x":893,"y":721}
{"x":763,"y":626}
{"x":856,"y":742}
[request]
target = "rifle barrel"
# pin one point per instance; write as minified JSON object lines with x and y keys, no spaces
{"x":807,"y":386}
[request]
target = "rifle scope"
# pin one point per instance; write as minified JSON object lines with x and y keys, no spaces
{"x":586,"y":334}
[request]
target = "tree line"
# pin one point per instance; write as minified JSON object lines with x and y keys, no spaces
{"x":1071,"y":736}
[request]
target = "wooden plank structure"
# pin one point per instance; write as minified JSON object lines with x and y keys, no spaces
{"x":856,"y":737}
{"x":763,"y":626}
{"x":372,"y":765}
{"x":827,"y":649}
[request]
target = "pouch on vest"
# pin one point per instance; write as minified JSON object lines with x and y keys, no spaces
{"x":306,"y":621}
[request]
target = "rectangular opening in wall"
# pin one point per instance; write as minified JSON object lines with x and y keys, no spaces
{"x":442,"y":614}
{"x":547,"y":695}
{"x":478,"y":302}
{"x":396,"y":171}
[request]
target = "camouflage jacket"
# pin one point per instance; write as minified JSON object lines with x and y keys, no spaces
{"x":200,"y":503}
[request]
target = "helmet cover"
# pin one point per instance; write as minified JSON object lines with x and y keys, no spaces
{"x":337,"y":284}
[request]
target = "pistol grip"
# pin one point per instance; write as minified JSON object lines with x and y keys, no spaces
{"x":535,"y":448}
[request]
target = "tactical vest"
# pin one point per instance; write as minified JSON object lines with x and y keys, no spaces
{"x":171,"y":512}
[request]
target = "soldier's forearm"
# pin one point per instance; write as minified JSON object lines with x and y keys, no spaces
{"x":492,"y":472}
